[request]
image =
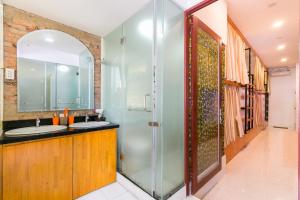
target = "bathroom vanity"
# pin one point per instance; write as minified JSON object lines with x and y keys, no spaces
{"x":56,"y":67}
{"x":62,"y":165}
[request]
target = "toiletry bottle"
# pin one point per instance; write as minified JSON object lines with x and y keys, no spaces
{"x":71,"y":118}
{"x":55,"y":119}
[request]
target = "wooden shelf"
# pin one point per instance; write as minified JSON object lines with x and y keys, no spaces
{"x":233,"y":83}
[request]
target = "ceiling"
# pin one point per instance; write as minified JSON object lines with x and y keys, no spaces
{"x":94,"y":16}
{"x":255,"y":18}
{"x":99,"y":17}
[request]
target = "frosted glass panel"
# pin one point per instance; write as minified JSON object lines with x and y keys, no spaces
{"x":142,"y":82}
{"x":170,"y":95}
{"x":127,"y":81}
{"x":137,"y":139}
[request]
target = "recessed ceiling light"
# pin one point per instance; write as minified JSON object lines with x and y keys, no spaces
{"x":278,"y":24}
{"x":272,"y":4}
{"x":283,"y":59}
{"x":49,"y":39}
{"x":281,"y":47}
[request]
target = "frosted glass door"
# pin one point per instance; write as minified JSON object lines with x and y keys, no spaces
{"x":137,"y":143}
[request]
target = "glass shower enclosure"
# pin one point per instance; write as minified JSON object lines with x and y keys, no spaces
{"x":143,"y":91}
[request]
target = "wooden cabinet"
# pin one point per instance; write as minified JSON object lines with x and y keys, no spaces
{"x":38,"y":170}
{"x":61,"y":168}
{"x":94,"y":161}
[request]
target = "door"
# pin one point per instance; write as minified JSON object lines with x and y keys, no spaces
{"x":283,"y":100}
{"x":137,"y":154}
{"x":205,"y":109}
{"x":94,"y":161}
{"x":38,"y":170}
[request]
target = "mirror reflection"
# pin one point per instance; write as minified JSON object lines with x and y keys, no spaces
{"x":55,"y":70}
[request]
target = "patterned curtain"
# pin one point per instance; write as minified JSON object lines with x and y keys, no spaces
{"x":236,"y":68}
{"x":233,"y":121}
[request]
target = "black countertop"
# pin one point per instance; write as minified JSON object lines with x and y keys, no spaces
{"x":69,"y":131}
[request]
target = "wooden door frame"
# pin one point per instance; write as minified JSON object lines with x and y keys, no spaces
{"x":187,"y":163}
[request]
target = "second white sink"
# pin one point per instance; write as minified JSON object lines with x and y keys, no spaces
{"x":34,"y":130}
{"x":93,"y":124}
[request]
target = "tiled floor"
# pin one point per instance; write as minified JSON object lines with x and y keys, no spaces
{"x":111,"y":192}
{"x":265,"y":170}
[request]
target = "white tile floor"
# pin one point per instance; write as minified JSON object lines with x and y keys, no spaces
{"x":265,"y":170}
{"x":114,"y":191}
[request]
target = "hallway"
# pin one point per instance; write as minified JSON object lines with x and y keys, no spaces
{"x":265,"y":170}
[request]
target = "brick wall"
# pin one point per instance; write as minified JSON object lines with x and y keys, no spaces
{"x":18,"y":23}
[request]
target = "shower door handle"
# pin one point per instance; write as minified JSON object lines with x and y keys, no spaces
{"x":145,"y":103}
{"x":154,"y":124}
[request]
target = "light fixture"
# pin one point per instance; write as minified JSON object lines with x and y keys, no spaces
{"x":283,"y":59}
{"x":281,"y":47}
{"x":63,"y":68}
{"x":271,"y":5}
{"x":278,"y":24}
{"x":49,"y":39}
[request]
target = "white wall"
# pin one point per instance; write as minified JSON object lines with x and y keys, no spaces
{"x":215,"y":16}
{"x":283,"y":101}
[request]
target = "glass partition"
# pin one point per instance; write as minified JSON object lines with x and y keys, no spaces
{"x":142,"y":90}
{"x":170,"y":98}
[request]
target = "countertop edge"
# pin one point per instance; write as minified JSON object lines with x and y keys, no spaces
{"x":69,"y":131}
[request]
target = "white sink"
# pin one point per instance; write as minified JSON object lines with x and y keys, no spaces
{"x":34,"y":130}
{"x":93,"y":124}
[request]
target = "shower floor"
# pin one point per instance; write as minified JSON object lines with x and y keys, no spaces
{"x":171,"y":180}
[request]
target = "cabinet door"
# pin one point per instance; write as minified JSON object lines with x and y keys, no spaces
{"x":94,"y":161}
{"x":38,"y":170}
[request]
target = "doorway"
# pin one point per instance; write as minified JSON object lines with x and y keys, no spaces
{"x":204,"y":99}
{"x":283,"y":98}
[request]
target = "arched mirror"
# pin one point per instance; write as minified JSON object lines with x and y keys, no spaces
{"x":55,"y":70}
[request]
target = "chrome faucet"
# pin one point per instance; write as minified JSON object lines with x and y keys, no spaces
{"x":37,"y":122}
{"x":86,"y":118}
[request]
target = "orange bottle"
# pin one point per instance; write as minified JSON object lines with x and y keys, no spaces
{"x":71,"y":119}
{"x":55,"y":120}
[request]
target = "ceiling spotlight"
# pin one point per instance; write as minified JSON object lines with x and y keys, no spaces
{"x":49,"y":39}
{"x":283,"y":59}
{"x":278,"y":24}
{"x":281,"y":47}
{"x":272,"y":4}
